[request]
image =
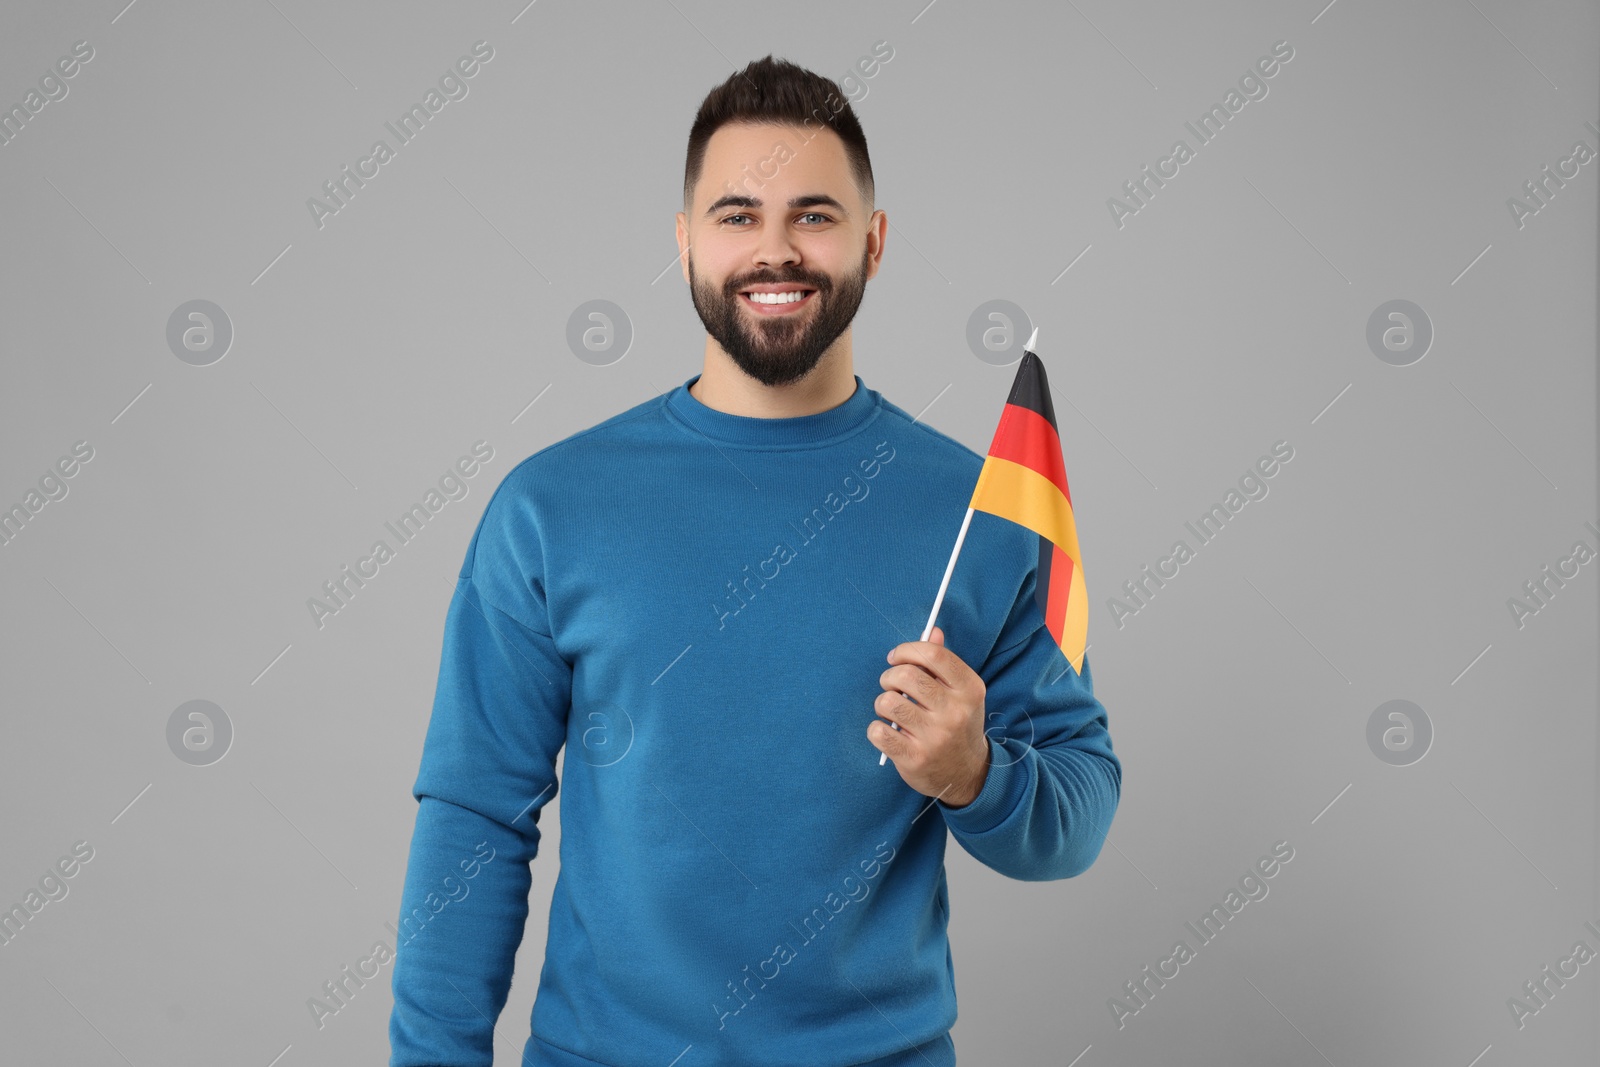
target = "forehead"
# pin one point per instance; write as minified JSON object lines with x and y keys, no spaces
{"x":767,"y":160}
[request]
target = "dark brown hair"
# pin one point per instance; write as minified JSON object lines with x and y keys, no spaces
{"x":772,"y":90}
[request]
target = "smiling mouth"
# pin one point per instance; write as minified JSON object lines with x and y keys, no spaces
{"x":778,"y":303}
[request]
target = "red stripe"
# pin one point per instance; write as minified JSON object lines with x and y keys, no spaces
{"x":1060,"y":585}
{"x":1026,"y":437}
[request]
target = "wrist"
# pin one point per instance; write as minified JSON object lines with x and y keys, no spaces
{"x":975,"y":783}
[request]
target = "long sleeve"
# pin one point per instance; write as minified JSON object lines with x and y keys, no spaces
{"x":488,"y":767}
{"x":1053,"y":782}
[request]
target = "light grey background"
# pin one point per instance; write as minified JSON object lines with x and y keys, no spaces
{"x":1229,"y":313}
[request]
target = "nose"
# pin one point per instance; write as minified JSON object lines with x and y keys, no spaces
{"x":774,"y":248}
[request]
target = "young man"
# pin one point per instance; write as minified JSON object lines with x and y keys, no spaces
{"x":695,"y":597}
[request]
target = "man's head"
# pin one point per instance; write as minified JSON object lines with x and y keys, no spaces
{"x":778,"y":195}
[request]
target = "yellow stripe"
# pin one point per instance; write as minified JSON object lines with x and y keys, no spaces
{"x":1029,"y":499}
{"x":1075,"y":625}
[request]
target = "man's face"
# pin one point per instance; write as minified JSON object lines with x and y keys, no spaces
{"x":775,"y":209}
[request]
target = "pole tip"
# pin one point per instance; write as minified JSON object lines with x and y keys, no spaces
{"x":1032,"y":338}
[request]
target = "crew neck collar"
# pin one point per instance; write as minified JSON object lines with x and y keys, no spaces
{"x":800,"y":431}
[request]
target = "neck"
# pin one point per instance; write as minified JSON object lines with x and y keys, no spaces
{"x":724,"y":387}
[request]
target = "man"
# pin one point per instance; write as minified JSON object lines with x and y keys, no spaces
{"x":695,"y":598}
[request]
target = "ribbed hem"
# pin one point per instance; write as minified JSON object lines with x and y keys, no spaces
{"x":801,"y":431}
{"x":938,"y":1052}
{"x":1002,"y":791}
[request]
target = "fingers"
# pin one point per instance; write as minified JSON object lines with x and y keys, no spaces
{"x":917,"y":684}
{"x":898,"y":708}
{"x":891,"y":742}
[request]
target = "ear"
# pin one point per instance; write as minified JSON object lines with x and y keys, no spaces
{"x":683,"y":244}
{"x":877,"y":230}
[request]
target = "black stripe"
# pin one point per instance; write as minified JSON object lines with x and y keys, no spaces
{"x":1031,"y":389}
{"x":1041,"y":589}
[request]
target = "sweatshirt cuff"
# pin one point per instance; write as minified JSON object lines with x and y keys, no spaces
{"x":1002,"y":791}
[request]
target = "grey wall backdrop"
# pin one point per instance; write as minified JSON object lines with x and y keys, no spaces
{"x":1382,"y":257}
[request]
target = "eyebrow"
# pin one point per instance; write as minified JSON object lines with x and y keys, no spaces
{"x":812,"y":200}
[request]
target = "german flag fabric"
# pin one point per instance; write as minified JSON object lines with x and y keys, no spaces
{"x":1024,"y":479}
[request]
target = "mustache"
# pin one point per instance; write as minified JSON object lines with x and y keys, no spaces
{"x":821,"y":284}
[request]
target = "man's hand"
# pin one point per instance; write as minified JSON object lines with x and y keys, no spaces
{"x":940,"y":749}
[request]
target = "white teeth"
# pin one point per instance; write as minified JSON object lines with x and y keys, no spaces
{"x":776,"y":298}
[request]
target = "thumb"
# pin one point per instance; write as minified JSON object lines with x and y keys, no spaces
{"x":937,"y":636}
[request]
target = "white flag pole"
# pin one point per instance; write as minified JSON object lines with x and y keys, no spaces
{"x":883,"y":757}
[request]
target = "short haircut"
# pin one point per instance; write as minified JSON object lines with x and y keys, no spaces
{"x":779,"y":92}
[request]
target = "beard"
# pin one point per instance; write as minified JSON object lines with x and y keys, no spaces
{"x":780,"y":349}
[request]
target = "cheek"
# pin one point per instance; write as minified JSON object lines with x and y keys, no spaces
{"x":713,"y":267}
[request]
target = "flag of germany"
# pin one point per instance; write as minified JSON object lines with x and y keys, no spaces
{"x":1024,"y":479}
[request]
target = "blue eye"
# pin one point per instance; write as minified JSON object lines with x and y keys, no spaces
{"x":808,"y":215}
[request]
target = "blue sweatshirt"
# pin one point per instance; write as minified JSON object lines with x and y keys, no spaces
{"x":697,"y":607}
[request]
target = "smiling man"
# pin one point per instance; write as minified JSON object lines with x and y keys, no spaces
{"x":777,"y":278}
{"x":717,"y":665}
